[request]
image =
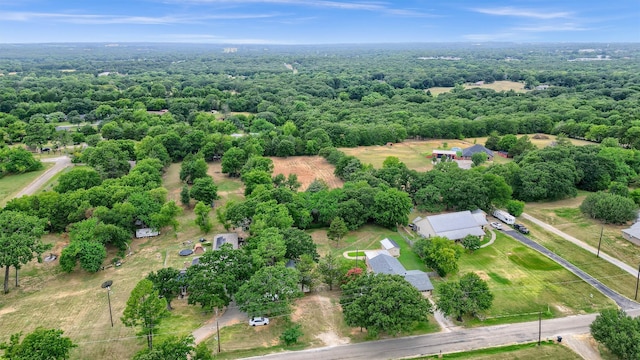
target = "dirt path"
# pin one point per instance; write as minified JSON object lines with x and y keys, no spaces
{"x":493,"y":238}
{"x":582,"y":345}
{"x":589,"y":248}
{"x":231,"y":316}
{"x":60,"y":163}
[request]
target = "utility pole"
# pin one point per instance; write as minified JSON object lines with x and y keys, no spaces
{"x":107,"y":285}
{"x":600,"y":242}
{"x":109,"y":299}
{"x":637,"y":280}
{"x":218,"y":331}
{"x":539,"y":327}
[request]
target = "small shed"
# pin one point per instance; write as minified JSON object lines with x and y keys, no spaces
{"x":391,"y":246}
{"x":198,"y":249}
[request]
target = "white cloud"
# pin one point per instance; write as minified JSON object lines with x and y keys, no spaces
{"x":91,"y":19}
{"x":549,"y":28}
{"x":342,"y":5}
{"x":527,"y":13}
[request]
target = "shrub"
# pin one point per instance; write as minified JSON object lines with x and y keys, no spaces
{"x":609,"y":208}
{"x":290,"y":335}
{"x":515,"y":207}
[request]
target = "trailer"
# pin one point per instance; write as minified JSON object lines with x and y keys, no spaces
{"x":504,"y":216}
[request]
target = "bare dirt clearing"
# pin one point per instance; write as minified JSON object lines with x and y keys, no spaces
{"x":307,"y":168}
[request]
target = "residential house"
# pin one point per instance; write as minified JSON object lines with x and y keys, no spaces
{"x":437,"y":153}
{"x":381,"y":262}
{"x":453,"y":226}
{"x":467,"y":153}
{"x":391,"y":246}
{"x":146,"y":232}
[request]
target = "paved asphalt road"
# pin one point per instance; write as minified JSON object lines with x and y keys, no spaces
{"x":459,"y":340}
{"x":622,"y":301}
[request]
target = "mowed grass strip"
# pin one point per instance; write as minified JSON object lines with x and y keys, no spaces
{"x":566,"y":216}
{"x":610,"y":275}
{"x":525,"y":282}
{"x":531,"y":351}
{"x":10,"y":185}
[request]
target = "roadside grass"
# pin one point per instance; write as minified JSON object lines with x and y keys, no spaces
{"x":610,"y":275}
{"x":531,"y":351}
{"x":49,"y":185}
{"x":565,"y":215}
{"x":524,"y":283}
{"x":10,"y":185}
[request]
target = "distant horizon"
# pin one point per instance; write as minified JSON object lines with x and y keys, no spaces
{"x":318,"y":22}
{"x":474,"y":43}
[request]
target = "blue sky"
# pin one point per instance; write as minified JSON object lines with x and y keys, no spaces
{"x":318,"y":21}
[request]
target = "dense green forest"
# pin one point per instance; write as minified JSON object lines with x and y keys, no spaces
{"x":162,"y":104}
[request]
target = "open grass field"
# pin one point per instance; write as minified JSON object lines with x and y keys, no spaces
{"x":412,"y":153}
{"x":540,"y":143}
{"x":566,"y":216}
{"x":497,"y":86}
{"x":12,"y":184}
{"x":525,"y":282}
{"x":548,"y":350}
{"x":307,"y":168}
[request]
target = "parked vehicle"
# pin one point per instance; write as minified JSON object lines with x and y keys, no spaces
{"x":496,"y":225}
{"x":504,"y":216}
{"x":258,"y":320}
{"x":523,"y":229}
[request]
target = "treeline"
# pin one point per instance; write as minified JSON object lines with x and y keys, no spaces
{"x":360,"y":97}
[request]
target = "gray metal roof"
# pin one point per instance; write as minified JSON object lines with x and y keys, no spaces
{"x":476,"y":149}
{"x":452,"y":221}
{"x":389,"y":244}
{"x":385,"y":264}
{"x":419,"y":279}
{"x":634,"y":230}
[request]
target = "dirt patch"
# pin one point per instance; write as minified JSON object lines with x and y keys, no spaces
{"x":7,"y":310}
{"x":563,"y":309}
{"x":318,"y":309}
{"x":483,"y":275}
{"x":332,"y":339}
{"x":307,"y":168}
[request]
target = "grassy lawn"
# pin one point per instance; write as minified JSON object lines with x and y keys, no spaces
{"x":525,"y":282}
{"x":12,"y":184}
{"x":566,"y":216}
{"x":610,"y":275}
{"x":548,"y":350}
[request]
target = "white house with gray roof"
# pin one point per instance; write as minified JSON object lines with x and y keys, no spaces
{"x":381,"y":262}
{"x":453,"y":226}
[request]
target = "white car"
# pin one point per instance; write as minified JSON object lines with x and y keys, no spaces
{"x":257,"y":321}
{"x":496,"y":225}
